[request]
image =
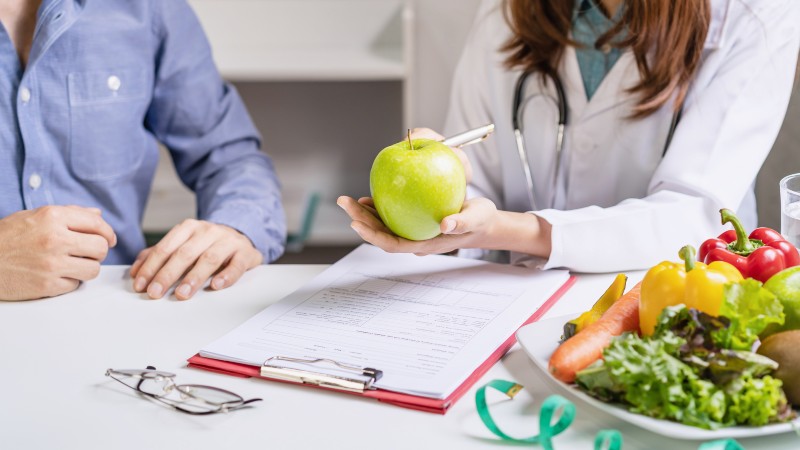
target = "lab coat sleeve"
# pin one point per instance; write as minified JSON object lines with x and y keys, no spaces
{"x":215,"y":147}
{"x":730,"y":122}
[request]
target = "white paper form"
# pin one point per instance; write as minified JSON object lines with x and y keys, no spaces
{"x":426,"y":322}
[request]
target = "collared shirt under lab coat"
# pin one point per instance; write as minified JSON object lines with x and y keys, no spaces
{"x":617,"y":204}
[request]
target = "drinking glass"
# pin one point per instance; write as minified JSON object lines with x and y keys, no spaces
{"x":790,"y":208}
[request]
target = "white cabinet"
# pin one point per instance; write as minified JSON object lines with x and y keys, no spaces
{"x":328,"y":85}
{"x":313,"y":40}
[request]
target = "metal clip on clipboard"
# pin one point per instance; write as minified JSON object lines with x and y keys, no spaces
{"x":364,"y":380}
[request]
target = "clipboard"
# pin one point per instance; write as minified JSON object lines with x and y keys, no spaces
{"x":369,"y":375}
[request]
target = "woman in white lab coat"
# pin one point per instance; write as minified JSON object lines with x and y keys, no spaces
{"x":628,"y":192}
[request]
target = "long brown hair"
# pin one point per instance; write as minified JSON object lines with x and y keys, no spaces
{"x":666,"y":37}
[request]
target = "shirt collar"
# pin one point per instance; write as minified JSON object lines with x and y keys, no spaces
{"x":593,"y":10}
{"x":53,"y":18}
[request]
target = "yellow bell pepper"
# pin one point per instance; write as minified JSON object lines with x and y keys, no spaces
{"x":611,"y":295}
{"x":691,"y":283}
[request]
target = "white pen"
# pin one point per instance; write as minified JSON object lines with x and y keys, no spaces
{"x":469,"y":137}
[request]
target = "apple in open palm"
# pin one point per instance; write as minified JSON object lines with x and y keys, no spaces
{"x":415,"y":185}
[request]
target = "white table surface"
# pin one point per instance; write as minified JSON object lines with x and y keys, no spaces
{"x":54,"y":395}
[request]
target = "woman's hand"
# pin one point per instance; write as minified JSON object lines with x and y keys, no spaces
{"x":469,"y":228}
{"x":478,"y":225}
{"x":427,"y":133}
{"x":190,"y":254}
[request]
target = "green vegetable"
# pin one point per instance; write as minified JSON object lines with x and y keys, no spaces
{"x":786,"y":286}
{"x":756,"y":401}
{"x":718,"y":365}
{"x":645,"y":375}
{"x":680,"y":373}
{"x":750,"y":308}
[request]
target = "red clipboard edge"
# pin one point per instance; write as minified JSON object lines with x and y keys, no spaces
{"x":431,"y":405}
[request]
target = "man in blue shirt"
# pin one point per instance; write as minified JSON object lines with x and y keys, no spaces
{"x":87,"y":89}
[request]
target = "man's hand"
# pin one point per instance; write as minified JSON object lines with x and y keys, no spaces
{"x":192,"y":252}
{"x":48,"y":251}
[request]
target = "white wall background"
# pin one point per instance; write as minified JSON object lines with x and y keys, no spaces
{"x":441,"y":26}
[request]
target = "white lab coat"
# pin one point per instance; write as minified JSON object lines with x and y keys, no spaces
{"x":618,"y":205}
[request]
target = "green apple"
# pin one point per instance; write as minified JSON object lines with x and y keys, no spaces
{"x":786,"y":286}
{"x":415,"y":185}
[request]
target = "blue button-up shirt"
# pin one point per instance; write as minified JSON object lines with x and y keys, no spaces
{"x":105,"y":81}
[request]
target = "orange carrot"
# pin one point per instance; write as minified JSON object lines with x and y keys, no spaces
{"x":586,"y":347}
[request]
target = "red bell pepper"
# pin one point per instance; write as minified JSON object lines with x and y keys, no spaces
{"x":761,"y":255}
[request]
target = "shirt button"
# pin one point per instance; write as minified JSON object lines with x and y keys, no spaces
{"x":114,"y":83}
{"x":606,"y":48}
{"x":25,"y":95}
{"x":35,"y":181}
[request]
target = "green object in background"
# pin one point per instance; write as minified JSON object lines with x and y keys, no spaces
{"x":605,"y":439}
{"x":151,"y":238}
{"x":296,"y":241}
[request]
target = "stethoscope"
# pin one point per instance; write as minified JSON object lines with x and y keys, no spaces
{"x":562,"y":104}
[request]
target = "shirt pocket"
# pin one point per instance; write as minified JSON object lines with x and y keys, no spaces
{"x":107,"y":137}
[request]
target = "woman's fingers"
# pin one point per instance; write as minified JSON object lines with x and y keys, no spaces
{"x":388,"y":242}
{"x":475,"y":215}
{"x":360,"y":212}
{"x":368,"y":202}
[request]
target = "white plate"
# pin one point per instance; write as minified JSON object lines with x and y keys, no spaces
{"x":540,"y":340}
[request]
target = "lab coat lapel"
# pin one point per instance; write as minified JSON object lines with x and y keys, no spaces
{"x":613,"y":89}
{"x":573,"y":83}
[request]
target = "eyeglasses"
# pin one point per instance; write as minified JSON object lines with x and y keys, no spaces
{"x":194,"y":399}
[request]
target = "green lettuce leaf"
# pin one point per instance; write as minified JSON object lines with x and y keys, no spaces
{"x":756,"y":401}
{"x":682,"y":376}
{"x":644,"y":374}
{"x":750,"y":308}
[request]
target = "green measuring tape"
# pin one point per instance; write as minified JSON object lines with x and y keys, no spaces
{"x":563,"y":411}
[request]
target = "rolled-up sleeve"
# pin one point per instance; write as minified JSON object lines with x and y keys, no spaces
{"x":215,"y":147}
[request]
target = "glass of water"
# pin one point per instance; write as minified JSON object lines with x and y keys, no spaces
{"x":790,"y":208}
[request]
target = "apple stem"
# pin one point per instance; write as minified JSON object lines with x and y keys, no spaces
{"x":410,"y":145}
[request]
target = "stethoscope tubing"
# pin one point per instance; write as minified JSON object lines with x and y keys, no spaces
{"x":562,"y":104}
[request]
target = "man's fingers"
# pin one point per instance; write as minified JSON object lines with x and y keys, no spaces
{"x":81,"y":269}
{"x":83,"y":220}
{"x":157,"y":257}
{"x":234,"y":270}
{"x":208,"y":263}
{"x":139,"y":260}
{"x":59,"y":286}
{"x":90,"y":246}
{"x":180,"y":262}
